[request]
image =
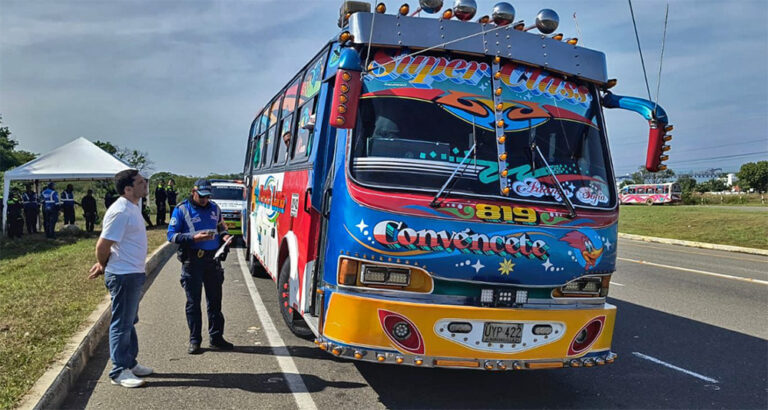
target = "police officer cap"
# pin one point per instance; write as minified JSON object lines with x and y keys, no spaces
{"x":203,"y":187}
{"x":50,"y":185}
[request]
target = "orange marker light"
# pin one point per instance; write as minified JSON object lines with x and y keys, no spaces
{"x":497,"y":75}
{"x":496,"y":59}
{"x":447,"y":14}
{"x":342,"y":109}
{"x":498,"y":91}
{"x":503,"y":156}
{"x":344,"y":88}
{"x":381,"y":8}
{"x":501,"y":140}
{"x":345,"y":36}
{"x":500,"y":123}
{"x":572,"y":41}
{"x":404,"y":9}
{"x":558,"y":37}
{"x":339,"y":121}
{"x":504,"y":173}
{"x":499,"y":107}
{"x":345,"y":76}
{"x":505,"y":190}
{"x":343,"y":98}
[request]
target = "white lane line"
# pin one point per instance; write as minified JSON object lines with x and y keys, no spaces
{"x":279,"y":350}
{"x":617,"y":283}
{"x":703,"y":272}
{"x":679,"y":369}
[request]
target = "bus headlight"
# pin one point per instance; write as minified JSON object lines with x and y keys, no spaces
{"x":378,"y":275}
{"x":585,"y":287}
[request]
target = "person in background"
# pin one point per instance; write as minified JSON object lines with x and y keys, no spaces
{"x":160,"y":199}
{"x":170,"y":192}
{"x":68,"y":204}
{"x":110,"y":197}
{"x":145,"y":212}
{"x":88,"y":203}
{"x":51,"y":206}
{"x":121,"y":252}
{"x":14,"y":218}
{"x":31,"y":209}
{"x":197,"y":246}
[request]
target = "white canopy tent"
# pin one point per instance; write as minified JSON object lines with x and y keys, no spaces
{"x":78,"y":160}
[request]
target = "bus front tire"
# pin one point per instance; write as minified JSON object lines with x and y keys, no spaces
{"x":256,"y":268}
{"x":291,"y":318}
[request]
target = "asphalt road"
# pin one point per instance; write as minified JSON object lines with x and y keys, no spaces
{"x":691,"y":332}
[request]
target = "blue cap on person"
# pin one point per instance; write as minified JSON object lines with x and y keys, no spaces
{"x":203,"y":187}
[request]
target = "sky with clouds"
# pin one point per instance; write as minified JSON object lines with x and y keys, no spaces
{"x":182,"y":79}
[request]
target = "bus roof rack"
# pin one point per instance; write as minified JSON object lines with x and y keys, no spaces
{"x":502,"y":41}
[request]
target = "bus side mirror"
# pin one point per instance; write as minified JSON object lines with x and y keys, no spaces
{"x":346,"y":90}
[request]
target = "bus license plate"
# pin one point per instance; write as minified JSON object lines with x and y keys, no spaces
{"x":503,"y":332}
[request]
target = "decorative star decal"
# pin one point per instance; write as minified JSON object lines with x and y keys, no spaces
{"x":608,"y":244}
{"x":506,"y":267}
{"x":547,"y":265}
{"x":478,"y":266}
{"x":362,"y":225}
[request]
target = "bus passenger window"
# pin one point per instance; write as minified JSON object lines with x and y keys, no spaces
{"x":285,"y":140}
{"x":304,"y":136}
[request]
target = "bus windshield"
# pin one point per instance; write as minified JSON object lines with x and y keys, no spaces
{"x":413,"y":136}
{"x":227,"y":193}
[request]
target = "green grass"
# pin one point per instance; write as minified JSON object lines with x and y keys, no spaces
{"x":702,"y":224}
{"x":44,"y":298}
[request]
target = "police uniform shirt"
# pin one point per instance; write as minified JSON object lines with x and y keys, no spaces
{"x":50,"y":198}
{"x":189,"y":219}
{"x":68,"y":198}
{"x":29,"y":199}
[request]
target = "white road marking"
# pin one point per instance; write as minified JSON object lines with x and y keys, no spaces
{"x":703,"y":272}
{"x":616,"y":283}
{"x":279,"y":350}
{"x":679,"y":369}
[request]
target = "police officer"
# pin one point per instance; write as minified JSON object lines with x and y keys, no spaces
{"x":15,"y":220}
{"x":31,"y":209}
{"x":145,"y":212}
{"x":68,"y":200}
{"x":160,"y":198}
{"x":198,"y":227}
{"x":110,"y":197}
{"x":50,"y":210}
{"x":88,"y":203}
{"x":170,"y":192}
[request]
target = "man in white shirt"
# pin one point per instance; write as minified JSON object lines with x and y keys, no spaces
{"x":120,"y":253}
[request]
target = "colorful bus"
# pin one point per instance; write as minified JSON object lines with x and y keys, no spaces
{"x":439,"y":193}
{"x":650,"y":194}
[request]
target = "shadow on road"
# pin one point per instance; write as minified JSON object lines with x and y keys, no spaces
{"x":736,"y":360}
{"x":250,"y":382}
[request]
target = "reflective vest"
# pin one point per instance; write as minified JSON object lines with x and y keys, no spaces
{"x":50,"y":199}
{"x":68,"y":198}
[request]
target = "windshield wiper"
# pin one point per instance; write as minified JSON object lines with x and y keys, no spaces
{"x":434,"y":203}
{"x":566,"y":201}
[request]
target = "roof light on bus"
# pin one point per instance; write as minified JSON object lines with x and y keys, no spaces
{"x":503,"y":156}
{"x":500,"y":123}
{"x":611,"y":83}
{"x":669,"y":128}
{"x":503,"y":13}
{"x":667,"y":138}
{"x":501,"y":140}
{"x":665,"y":148}
{"x":430,"y":6}
{"x":547,"y":21}
{"x":344,"y":88}
{"x":498,"y":91}
{"x":404,"y":9}
{"x":558,"y":37}
{"x":484,"y":19}
{"x":448,"y":14}
{"x":465,"y":9}
{"x":572,"y":41}
{"x":381,"y":8}
{"x":519,"y":26}
{"x":663,"y":157}
{"x":345,"y":36}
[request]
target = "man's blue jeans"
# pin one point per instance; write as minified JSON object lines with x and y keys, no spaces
{"x":123,"y":344}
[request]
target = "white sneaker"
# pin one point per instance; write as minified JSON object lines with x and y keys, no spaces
{"x":142,"y":371}
{"x":126,"y":378}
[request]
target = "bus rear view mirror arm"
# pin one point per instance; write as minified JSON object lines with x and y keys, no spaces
{"x":657,"y":121}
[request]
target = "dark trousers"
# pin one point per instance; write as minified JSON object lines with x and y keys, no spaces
{"x":146,"y":218}
{"x":69,"y":215}
{"x":30,"y":216}
{"x":197,"y":274}
{"x":51,"y":216}
{"x":160,"y":218}
{"x":15,"y":226}
{"x":90,"y":220}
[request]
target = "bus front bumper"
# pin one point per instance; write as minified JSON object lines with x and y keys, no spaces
{"x":426,"y":335}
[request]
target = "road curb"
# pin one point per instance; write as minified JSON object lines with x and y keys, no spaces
{"x":52,"y":387}
{"x":728,"y":248}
